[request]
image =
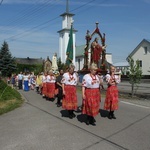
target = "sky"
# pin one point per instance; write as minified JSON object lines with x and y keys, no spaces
{"x":30,"y":27}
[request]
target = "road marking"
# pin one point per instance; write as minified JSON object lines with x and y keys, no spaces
{"x":135,"y":104}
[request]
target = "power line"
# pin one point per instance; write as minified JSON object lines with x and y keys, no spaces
{"x":34,"y":12}
{"x":29,"y":31}
{"x":25,"y":32}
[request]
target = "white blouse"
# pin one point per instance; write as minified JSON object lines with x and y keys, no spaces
{"x":90,"y":82}
{"x":69,"y":79}
{"x":25,"y":77}
{"x":44,"y":79}
{"x":109,"y":77}
{"x":50,"y":79}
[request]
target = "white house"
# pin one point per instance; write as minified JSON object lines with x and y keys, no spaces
{"x":142,"y":53}
{"x":79,"y":58}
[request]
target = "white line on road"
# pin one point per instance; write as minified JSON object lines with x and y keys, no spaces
{"x":135,"y":104}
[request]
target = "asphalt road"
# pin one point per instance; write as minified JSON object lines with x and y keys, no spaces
{"x":39,"y":125}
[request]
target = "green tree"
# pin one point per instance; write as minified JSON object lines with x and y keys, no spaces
{"x":135,"y":74}
{"x":7,"y":62}
{"x":61,"y":65}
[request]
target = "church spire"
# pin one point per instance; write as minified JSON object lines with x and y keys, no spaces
{"x":67,"y":6}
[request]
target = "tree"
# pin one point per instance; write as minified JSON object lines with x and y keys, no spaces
{"x":61,"y":65}
{"x":135,"y":74}
{"x":7,"y":62}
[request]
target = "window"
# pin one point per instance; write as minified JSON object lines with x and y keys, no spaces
{"x":145,"y":50}
{"x":140,"y":62}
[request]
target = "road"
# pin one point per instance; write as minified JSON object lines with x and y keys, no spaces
{"x":39,"y":125}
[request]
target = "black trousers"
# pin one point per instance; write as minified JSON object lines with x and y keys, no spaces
{"x":59,"y":95}
{"x":20,"y":84}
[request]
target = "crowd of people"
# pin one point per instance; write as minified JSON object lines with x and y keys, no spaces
{"x":63,"y":87}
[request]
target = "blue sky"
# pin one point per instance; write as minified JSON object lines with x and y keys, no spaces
{"x":30,"y":27}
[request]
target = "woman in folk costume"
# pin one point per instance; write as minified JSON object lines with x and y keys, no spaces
{"x":50,"y":81}
{"x":111,"y":100}
{"x":44,"y":87}
{"x":91,"y":95}
{"x":26,"y":81}
{"x":69,"y":82}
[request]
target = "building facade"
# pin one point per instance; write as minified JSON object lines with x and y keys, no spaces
{"x":142,"y":53}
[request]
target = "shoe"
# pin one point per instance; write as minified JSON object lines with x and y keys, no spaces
{"x":92,"y":121}
{"x":87,"y":122}
{"x":58,"y":105}
{"x":113,"y":116}
{"x":109,"y":115}
{"x":93,"y":124}
{"x":70,"y":116}
{"x":73,"y":115}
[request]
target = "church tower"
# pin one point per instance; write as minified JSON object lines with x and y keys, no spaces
{"x":64,"y":34}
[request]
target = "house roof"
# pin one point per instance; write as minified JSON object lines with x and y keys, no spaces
{"x":80,"y":50}
{"x":29,"y":61}
{"x":121,"y":64}
{"x":136,"y":49}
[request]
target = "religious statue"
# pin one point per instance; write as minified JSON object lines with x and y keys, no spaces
{"x":96,"y":51}
{"x":54,"y":62}
{"x":47,"y":65}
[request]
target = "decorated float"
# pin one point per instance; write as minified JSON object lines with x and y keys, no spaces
{"x":95,"y":52}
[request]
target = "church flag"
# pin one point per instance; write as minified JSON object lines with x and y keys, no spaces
{"x":69,"y":51}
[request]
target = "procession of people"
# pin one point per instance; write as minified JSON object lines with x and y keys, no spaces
{"x":63,"y":87}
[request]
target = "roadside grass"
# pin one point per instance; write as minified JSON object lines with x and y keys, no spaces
{"x":9,"y":98}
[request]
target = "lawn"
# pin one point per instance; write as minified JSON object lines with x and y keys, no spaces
{"x":9,"y":98}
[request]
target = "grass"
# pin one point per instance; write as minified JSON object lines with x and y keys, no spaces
{"x":9,"y":98}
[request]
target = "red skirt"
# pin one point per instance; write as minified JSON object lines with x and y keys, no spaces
{"x":44,"y":89}
{"x":69,"y":101}
{"x":111,"y":100}
{"x":50,"y":90}
{"x":91,"y":104}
